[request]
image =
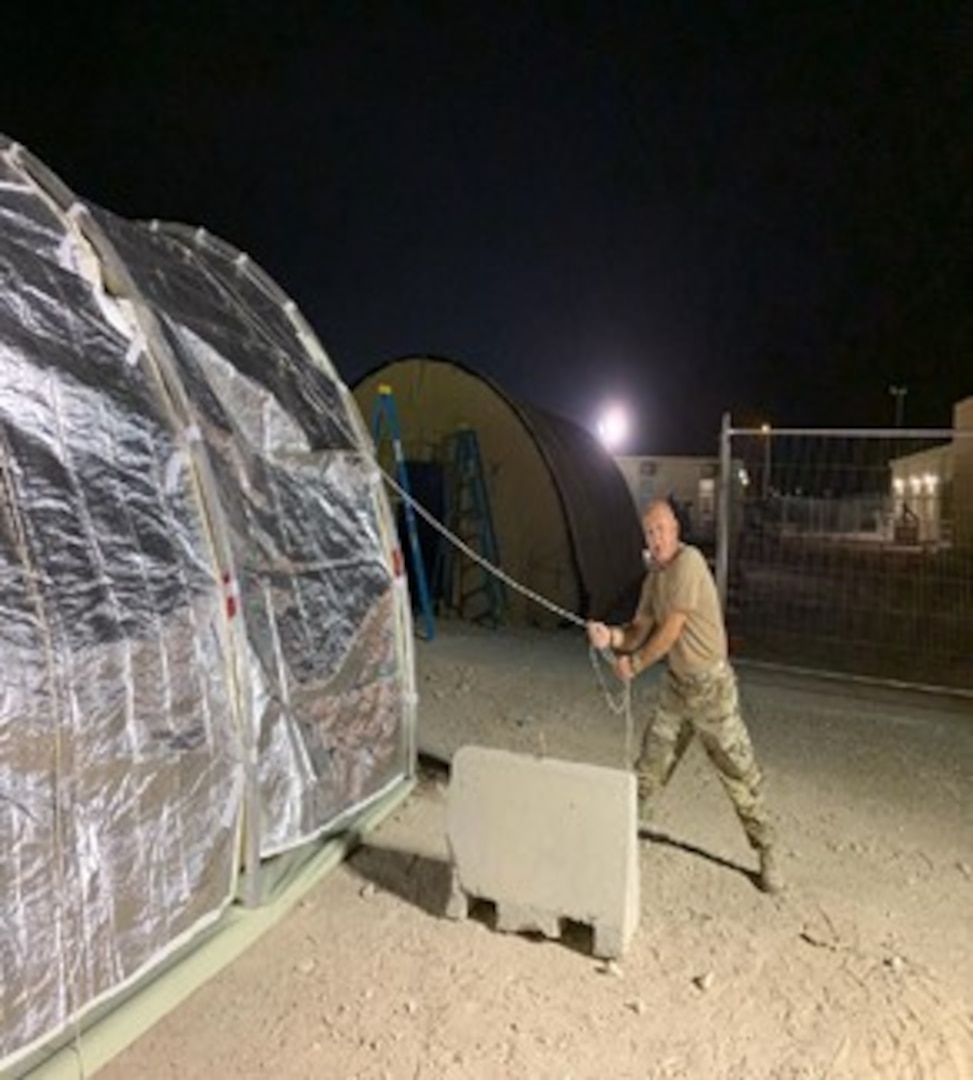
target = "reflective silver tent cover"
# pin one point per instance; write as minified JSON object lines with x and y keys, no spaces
{"x":206,"y":645}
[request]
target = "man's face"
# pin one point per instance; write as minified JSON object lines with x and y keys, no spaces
{"x":661,"y":534}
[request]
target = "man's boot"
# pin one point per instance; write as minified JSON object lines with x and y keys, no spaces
{"x":769,"y":878}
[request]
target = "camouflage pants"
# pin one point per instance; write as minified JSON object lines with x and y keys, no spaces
{"x":707,"y":706}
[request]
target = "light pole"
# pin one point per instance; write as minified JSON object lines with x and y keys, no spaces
{"x":899,"y":392}
{"x":765,"y":478}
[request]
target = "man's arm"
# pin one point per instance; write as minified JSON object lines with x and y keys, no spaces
{"x":631,"y":635}
{"x":662,"y":639}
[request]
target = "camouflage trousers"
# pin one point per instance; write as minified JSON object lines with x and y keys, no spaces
{"x":708,"y":706}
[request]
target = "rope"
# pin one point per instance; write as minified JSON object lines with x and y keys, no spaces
{"x":621,"y":703}
{"x":426,"y":516}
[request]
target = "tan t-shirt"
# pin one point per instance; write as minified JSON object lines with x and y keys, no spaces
{"x":685,"y":584}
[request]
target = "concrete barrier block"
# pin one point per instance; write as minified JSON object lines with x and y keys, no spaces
{"x":545,"y":841}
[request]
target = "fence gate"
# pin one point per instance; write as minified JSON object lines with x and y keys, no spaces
{"x":849,"y":551}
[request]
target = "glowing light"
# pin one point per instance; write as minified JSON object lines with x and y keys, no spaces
{"x":613,"y":426}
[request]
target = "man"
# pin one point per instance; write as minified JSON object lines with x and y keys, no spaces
{"x":679,"y":617}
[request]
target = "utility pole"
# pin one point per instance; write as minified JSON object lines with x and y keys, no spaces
{"x":899,"y":392}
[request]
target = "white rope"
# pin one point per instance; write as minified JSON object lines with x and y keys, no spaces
{"x":476,"y":557}
{"x":620,"y":704}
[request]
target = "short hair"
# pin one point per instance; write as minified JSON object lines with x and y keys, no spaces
{"x":661,"y":504}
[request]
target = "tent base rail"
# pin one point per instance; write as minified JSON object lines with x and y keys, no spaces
{"x":275,"y":874}
{"x":117,"y":1023}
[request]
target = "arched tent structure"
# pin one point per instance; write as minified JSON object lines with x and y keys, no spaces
{"x":565,"y":523}
{"x":206,"y":647}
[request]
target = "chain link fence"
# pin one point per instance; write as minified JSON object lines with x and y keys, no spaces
{"x":849,"y":552}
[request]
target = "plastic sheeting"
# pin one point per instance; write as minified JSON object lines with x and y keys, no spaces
{"x":205,"y":648}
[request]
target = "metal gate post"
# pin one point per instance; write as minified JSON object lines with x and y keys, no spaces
{"x":723,"y":511}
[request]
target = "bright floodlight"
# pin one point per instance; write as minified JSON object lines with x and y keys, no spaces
{"x":613,"y":426}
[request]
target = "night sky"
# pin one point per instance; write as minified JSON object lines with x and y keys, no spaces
{"x":694,"y":208}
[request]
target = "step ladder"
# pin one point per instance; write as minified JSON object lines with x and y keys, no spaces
{"x":474,"y":592}
{"x":385,"y":423}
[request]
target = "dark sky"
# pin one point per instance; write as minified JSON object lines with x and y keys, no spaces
{"x":750,"y":209}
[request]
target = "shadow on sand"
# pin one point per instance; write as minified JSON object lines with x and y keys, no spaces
{"x":426,"y":883}
{"x":664,"y":839}
{"x":419,"y":880}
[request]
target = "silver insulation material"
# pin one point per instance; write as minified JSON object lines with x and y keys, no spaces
{"x":206,"y":653}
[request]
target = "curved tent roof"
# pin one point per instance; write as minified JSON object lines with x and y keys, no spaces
{"x":565,"y":522}
{"x":207,"y":649}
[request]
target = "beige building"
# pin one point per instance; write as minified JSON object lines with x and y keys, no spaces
{"x":963,"y":473}
{"x":922,"y":485}
{"x":932,"y":489}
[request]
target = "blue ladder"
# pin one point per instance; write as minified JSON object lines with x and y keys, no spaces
{"x":476,"y":592}
{"x":385,"y":415}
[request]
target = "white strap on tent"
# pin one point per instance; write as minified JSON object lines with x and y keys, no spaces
{"x":179,"y":458}
{"x":137,"y":347}
{"x":14,"y":154}
{"x":174,"y":466}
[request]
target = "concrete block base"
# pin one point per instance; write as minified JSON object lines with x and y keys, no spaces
{"x":545,"y":841}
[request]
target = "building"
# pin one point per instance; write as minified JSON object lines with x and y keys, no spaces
{"x":932,"y":489}
{"x":922,"y":485}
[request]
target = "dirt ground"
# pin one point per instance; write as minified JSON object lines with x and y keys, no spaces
{"x":863,"y":967}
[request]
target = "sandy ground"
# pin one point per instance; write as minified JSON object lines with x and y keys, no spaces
{"x":863,"y":967}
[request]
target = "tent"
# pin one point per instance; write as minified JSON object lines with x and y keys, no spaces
{"x":565,"y":523}
{"x":207,"y":644}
